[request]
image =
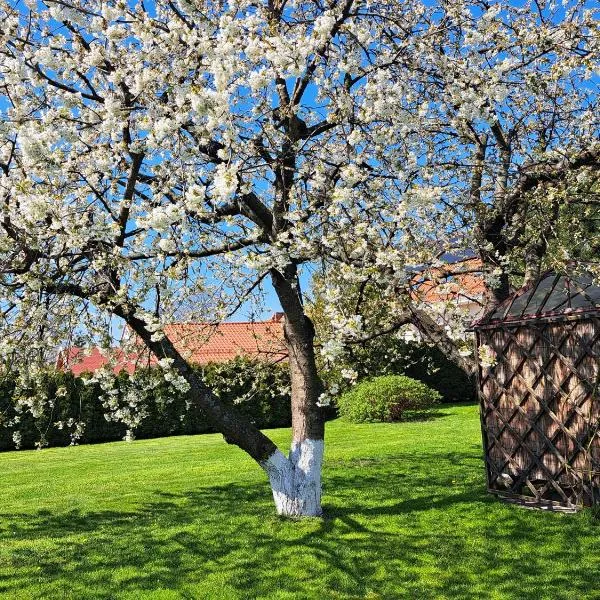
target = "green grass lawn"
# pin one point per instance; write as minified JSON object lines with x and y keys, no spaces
{"x":407,"y":516}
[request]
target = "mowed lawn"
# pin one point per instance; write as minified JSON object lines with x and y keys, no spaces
{"x":407,"y":516}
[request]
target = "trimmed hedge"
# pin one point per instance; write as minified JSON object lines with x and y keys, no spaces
{"x":258,"y":389}
{"x":389,"y":355}
{"x":387,"y":398}
{"x":431,"y":366}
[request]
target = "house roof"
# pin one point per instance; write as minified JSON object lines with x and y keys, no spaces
{"x":87,"y":360}
{"x":551,"y":296}
{"x":199,"y":343}
{"x":458,"y":281}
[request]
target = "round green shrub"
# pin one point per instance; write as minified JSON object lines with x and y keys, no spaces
{"x":387,"y":398}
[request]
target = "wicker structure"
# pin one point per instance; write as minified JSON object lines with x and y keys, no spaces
{"x":539,"y":396}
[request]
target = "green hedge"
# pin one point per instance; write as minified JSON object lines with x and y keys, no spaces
{"x":258,"y":389}
{"x":387,"y":398}
{"x":389,"y":355}
{"x":431,"y":366}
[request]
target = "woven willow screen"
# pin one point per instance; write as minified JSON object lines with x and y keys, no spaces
{"x":539,"y":394}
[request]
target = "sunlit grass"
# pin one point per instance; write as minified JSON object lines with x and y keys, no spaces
{"x":407,"y":516}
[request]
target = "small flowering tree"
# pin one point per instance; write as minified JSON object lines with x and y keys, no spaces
{"x":503,"y":99}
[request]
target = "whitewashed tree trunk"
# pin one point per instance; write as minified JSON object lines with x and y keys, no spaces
{"x":296,"y":481}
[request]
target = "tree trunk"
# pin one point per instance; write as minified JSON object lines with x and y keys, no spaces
{"x":236,"y":428}
{"x":296,"y":482}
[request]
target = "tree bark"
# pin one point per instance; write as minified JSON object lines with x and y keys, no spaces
{"x":296,"y":482}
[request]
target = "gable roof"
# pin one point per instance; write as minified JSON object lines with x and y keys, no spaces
{"x":199,"y":343}
{"x":87,"y":360}
{"x":551,"y":296}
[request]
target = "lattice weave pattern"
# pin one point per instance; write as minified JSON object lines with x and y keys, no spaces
{"x":540,"y":411}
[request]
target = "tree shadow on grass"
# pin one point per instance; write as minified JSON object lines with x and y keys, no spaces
{"x":430,"y":415}
{"x":395,"y":527}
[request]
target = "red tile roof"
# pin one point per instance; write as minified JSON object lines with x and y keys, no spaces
{"x":199,"y":343}
{"x":88,"y":360}
{"x":456,"y":281}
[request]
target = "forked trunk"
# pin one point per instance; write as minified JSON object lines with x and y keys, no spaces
{"x":296,"y":482}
